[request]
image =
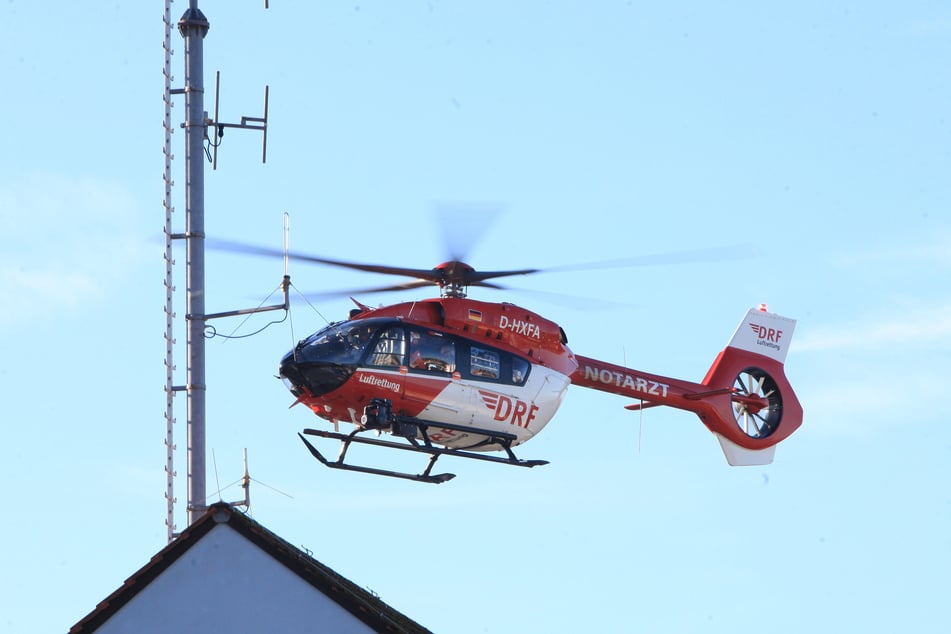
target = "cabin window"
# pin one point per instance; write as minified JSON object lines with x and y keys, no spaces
{"x":489,"y":364}
{"x":432,"y":352}
{"x":390,"y":349}
{"x":484,"y":363}
{"x":519,"y":370}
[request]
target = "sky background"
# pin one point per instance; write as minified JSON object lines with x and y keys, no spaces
{"x":815,"y":137}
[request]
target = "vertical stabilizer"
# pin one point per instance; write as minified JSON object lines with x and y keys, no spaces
{"x":764,"y":333}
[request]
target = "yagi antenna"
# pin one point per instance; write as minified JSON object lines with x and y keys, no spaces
{"x":247,"y":123}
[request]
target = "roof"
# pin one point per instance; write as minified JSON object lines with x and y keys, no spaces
{"x":362,"y":604}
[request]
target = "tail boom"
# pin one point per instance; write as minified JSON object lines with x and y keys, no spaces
{"x":745,"y":398}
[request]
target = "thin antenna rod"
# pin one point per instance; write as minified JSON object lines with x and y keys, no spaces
{"x":217,"y":141}
{"x":287,"y":241}
{"x":245,"y":484}
{"x":264,"y":130}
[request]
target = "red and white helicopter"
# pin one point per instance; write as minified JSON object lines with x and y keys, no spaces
{"x":456,"y":376}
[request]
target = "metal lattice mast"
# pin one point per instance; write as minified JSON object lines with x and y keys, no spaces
{"x":169,"y":286}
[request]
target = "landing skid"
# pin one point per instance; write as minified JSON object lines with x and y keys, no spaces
{"x":408,"y":429}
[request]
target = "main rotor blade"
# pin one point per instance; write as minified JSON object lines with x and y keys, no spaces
{"x":384,"y":289}
{"x":434,"y":276}
{"x":477,"y":277}
{"x":456,"y":272}
{"x":463,"y":223}
{"x":711,"y":254}
{"x":368,"y":291}
{"x":240,"y":247}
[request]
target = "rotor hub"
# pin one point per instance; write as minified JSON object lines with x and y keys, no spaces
{"x":453,"y":278}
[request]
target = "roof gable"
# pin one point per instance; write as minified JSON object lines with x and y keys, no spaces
{"x":213,"y":575}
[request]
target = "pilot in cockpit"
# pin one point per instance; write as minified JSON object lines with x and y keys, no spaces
{"x":434,"y":358}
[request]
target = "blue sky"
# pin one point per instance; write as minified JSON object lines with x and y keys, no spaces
{"x":817,"y":135}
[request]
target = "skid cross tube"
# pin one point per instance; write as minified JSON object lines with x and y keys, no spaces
{"x":412,"y":444}
{"x":422,"y":477}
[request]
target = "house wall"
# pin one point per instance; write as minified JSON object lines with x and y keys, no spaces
{"x":226,"y":583}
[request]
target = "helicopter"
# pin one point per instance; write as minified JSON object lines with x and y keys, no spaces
{"x":451,"y":375}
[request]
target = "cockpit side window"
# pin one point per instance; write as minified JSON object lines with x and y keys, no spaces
{"x":390,"y":349}
{"x":432,"y":352}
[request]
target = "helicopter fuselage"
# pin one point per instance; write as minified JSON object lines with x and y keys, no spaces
{"x":455,"y":361}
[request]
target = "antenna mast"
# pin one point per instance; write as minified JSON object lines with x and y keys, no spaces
{"x":193,"y":27}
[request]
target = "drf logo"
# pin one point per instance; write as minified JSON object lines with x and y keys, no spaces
{"x":769,"y":334}
{"x":515,"y":411}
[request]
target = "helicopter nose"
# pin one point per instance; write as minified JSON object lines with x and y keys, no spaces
{"x":315,"y":378}
{"x":291,"y":375}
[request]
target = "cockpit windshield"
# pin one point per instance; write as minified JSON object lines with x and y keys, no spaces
{"x":342,"y":343}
